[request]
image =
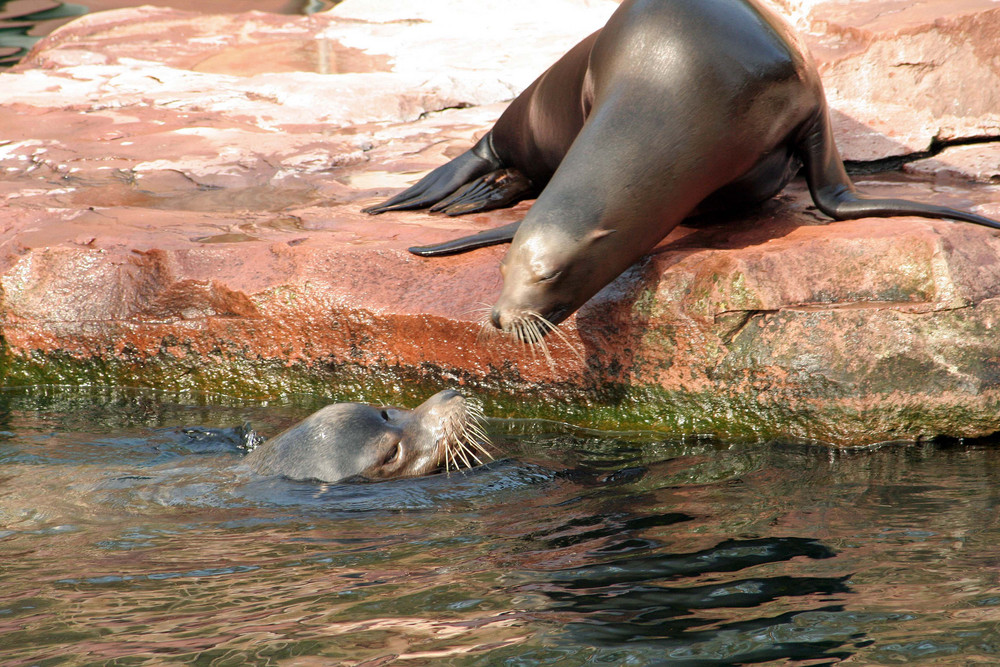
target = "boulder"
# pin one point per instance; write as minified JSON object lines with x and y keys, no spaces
{"x":181,"y":209}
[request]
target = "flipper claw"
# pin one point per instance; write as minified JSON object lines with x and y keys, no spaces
{"x":496,"y":189}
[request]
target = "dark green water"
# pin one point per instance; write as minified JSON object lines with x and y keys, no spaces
{"x":127,"y":538}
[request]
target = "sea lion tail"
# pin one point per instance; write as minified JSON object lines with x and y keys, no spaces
{"x":490,"y":237}
{"x":835,"y":195}
{"x":443,"y":181}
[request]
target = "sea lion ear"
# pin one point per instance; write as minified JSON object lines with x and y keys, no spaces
{"x":600,"y":233}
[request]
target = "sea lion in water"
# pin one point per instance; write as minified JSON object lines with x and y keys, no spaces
{"x":356,"y":440}
{"x":675,"y":107}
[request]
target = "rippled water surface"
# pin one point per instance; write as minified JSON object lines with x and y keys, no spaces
{"x":24,"y":22}
{"x":129,"y":534}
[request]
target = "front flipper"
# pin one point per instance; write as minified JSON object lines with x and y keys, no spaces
{"x":443,"y":181}
{"x":494,"y":190}
{"x":466,"y":243}
{"x":835,"y":195}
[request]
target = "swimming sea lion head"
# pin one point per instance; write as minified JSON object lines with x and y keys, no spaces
{"x":347,"y":440}
{"x":444,"y":431}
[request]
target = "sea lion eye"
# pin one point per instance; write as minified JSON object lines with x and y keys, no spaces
{"x":549,"y":277}
{"x":392,"y":455}
{"x":385,"y":415}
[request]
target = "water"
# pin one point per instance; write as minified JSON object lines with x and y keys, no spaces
{"x":128,"y":536}
{"x":24,"y":22}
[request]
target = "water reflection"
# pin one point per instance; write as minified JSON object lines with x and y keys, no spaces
{"x":130,"y":533}
{"x":24,"y":22}
{"x":617,"y":604}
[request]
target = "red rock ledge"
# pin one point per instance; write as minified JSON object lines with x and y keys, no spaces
{"x":181,"y":198}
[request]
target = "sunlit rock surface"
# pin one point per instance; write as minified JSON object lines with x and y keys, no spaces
{"x":181,"y":198}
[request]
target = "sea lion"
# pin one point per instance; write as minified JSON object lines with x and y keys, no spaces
{"x":674,"y":108}
{"x":348,"y":440}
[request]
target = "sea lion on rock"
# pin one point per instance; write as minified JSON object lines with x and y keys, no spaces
{"x":675,"y":107}
{"x":354,"y":440}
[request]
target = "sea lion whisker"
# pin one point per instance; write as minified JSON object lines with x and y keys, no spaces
{"x":473,"y":435}
{"x":453,"y":437}
{"x":478,"y":310}
{"x":474,"y":431}
{"x":460,"y":452}
{"x":483,"y":307}
{"x":477,"y":432}
{"x":475,"y":425}
{"x":529,"y":319}
{"x":459,"y":457}
{"x":543,"y":345}
{"x":520,"y":334}
{"x":486,"y":330}
{"x":462,"y":444}
{"x":522,"y":327}
{"x":478,"y":445}
{"x":549,"y":326}
{"x":529,"y":334}
{"x":523,"y":331}
{"x":449,"y":457}
{"x":468,"y":450}
{"x":536,"y":336}
{"x":529,"y":338}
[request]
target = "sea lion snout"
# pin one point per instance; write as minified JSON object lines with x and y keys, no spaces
{"x":496,"y":318}
{"x":535,"y":277}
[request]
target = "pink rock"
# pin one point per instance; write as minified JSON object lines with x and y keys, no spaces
{"x":976,"y":162}
{"x":181,"y":205}
{"x":915,"y":72}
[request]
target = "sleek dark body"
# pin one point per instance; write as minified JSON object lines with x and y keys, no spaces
{"x":347,"y":440}
{"x":675,"y":107}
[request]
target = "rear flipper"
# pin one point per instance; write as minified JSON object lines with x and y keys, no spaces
{"x":443,"y":181}
{"x":494,"y":190}
{"x":835,"y":195}
{"x":466,"y":243}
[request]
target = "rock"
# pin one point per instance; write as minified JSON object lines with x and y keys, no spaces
{"x":976,"y":162}
{"x":181,"y":208}
{"x":915,"y":73}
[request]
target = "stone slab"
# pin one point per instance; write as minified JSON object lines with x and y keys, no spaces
{"x":181,"y":207}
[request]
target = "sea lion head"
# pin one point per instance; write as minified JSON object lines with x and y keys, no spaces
{"x":347,"y":440}
{"x":548,"y":273}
